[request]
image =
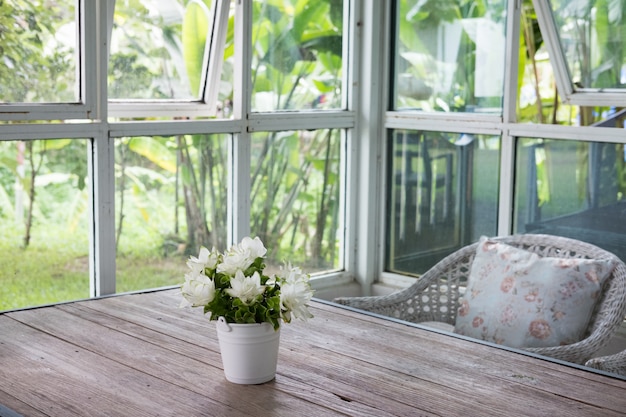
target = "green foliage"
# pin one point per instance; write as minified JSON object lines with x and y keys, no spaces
{"x":597,"y":31}
{"x":195,"y":29}
{"x":36,"y":65}
{"x":295,"y":187}
{"x":129,"y":78}
{"x":155,"y":152}
{"x":437,"y":53}
{"x":146,"y":60}
{"x":297,"y":64}
{"x":297,"y":54}
{"x":299,"y":43}
{"x":266,"y":308}
{"x":57,"y":274}
{"x":60,"y":180}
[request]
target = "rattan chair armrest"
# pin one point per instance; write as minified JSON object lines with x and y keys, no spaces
{"x":615,"y":363}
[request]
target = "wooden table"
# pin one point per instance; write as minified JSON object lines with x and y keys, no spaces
{"x":140,"y":355}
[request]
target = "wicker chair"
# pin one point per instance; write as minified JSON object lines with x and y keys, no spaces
{"x":615,"y":363}
{"x":434,"y":297}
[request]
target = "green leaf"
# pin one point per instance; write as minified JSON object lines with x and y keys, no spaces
{"x":195,"y":30}
{"x":52,"y":144}
{"x":322,"y":87}
{"x":308,"y":12}
{"x":154,"y":151}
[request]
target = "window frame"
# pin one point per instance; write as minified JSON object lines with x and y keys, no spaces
{"x":95,"y":122}
{"x":507,"y":126}
{"x":206,"y":104}
{"x":365,"y":121}
{"x":86,"y":77}
{"x":569,"y":94}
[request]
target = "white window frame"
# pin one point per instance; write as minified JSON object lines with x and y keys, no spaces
{"x":86,"y":79}
{"x":206,"y":106}
{"x":506,"y":126}
{"x":95,"y":123}
{"x":365,"y":121}
{"x":569,"y":94}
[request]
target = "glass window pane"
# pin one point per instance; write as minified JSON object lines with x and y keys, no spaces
{"x":593,"y":36}
{"x":297,"y":54}
{"x":538,"y":98}
{"x":575,"y":189}
{"x":44,"y":244}
{"x":295,"y":201}
{"x":157,"y":49}
{"x":449,"y":56}
{"x":38,"y":51}
{"x":443,"y":194}
{"x":170,"y":199}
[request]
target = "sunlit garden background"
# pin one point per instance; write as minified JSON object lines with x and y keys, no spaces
{"x":171,"y":192}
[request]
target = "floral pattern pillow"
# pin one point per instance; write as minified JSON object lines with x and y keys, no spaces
{"x":519,"y":299}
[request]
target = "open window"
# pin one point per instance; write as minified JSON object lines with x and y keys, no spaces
{"x":42,"y":65}
{"x":585,"y":41}
{"x":166,"y":58}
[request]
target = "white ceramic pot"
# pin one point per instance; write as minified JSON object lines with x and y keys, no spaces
{"x":249,"y":351}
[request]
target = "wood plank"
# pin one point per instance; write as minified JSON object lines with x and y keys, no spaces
{"x":428,"y":353}
{"x":142,"y":355}
{"x":284,"y":381}
{"x":12,"y":407}
{"x":426,"y":343}
{"x":336,"y":398}
{"x":62,"y":379}
{"x":489,"y":363}
{"x":430,"y":381}
{"x":162,"y":317}
{"x":191,"y":372}
{"x":444,"y":337}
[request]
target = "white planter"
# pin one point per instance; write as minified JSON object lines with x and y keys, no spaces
{"x":249,"y":351}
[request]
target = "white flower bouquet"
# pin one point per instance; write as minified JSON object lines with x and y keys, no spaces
{"x":233,"y":285}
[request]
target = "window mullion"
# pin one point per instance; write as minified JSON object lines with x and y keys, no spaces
{"x":509,"y":115}
{"x":239,"y":152}
{"x":87,"y":77}
{"x":365,"y":161}
{"x":101,"y":156}
{"x":509,"y":105}
{"x":300,"y":120}
{"x":101,"y":169}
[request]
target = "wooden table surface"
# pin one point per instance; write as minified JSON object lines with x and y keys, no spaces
{"x":141,"y":355}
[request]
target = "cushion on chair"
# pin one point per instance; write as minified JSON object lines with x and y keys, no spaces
{"x":517,"y":298}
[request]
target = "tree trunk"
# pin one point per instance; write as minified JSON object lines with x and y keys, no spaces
{"x":122,"y":186}
{"x":34,"y":171}
{"x":197,"y":230}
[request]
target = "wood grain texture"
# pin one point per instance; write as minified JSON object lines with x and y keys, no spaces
{"x":140,"y":355}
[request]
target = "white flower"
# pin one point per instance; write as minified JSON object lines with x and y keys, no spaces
{"x":294,"y":274}
{"x":294,"y":298}
{"x":205,"y":259}
{"x":218,"y":282}
{"x":295,"y":293}
{"x":247,"y":289}
{"x":197,"y":290}
{"x":241,"y":256}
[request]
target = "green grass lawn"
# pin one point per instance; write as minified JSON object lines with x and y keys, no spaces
{"x":55,"y":268}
